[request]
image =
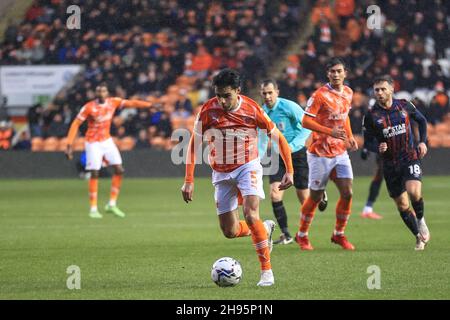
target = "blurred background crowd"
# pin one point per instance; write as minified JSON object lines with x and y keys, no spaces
{"x":168,"y":51}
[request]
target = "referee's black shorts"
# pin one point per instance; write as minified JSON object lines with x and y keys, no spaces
{"x":301,"y":170}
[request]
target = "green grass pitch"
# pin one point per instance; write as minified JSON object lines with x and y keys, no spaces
{"x":164,"y":248}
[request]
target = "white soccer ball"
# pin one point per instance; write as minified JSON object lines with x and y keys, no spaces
{"x":226,"y":272}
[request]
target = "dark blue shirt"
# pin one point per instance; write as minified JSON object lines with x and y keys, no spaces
{"x":393,"y":126}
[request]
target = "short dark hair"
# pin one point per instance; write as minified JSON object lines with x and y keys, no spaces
{"x":227,"y":77}
{"x":266,"y":82}
{"x":104,"y":84}
{"x":335,"y":61}
{"x":383,"y":78}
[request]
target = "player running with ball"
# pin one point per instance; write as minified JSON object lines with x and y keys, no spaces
{"x":229,"y":122}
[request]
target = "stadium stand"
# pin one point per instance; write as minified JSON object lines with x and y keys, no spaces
{"x":412,"y":46}
{"x":162,"y":49}
{"x":168,"y":50}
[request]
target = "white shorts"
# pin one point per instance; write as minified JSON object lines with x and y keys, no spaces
{"x":320,"y":169}
{"x":96,"y":151}
{"x":247,"y":179}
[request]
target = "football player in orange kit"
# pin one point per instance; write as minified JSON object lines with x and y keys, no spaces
{"x":229,"y":122}
{"x":327,"y":116}
{"x":99,"y":144}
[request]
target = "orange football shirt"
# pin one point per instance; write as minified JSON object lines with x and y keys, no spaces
{"x":330,"y":108}
{"x":232,"y":135}
{"x":99,"y":118}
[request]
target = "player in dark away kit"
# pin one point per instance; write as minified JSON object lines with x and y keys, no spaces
{"x":388,"y":132}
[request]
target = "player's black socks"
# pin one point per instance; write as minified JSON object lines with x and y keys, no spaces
{"x":418,"y":208}
{"x":281,"y":216}
{"x":374,"y":190}
{"x":410,"y":220}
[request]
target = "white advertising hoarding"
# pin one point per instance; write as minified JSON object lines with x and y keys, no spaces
{"x":26,"y":85}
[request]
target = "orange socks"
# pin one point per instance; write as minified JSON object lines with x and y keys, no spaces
{"x":93,"y":191}
{"x":244,"y":230}
{"x":115,"y":189}
{"x":308,"y":210}
{"x":93,"y":188}
{"x":261,"y":243}
{"x":343,"y":209}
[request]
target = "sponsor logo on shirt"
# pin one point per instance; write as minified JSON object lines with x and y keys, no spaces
{"x":337,"y":116}
{"x":390,"y":132}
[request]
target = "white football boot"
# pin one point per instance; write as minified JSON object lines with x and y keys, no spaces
{"x":267,"y":279}
{"x":270,"y":227}
{"x":423,"y":230}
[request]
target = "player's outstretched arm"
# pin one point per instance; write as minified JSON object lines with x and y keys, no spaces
{"x":136,"y":104}
{"x":336,"y":132}
{"x":71,"y":137}
{"x":285,"y":152}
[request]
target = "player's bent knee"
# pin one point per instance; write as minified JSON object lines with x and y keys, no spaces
{"x":250,"y":204}
{"x":347,"y":195}
{"x":276,"y":197}
{"x":316,"y":195}
{"x":119,"y":170}
{"x":415,"y":195}
{"x":94,"y":174}
{"x":229,"y":233}
{"x":251,"y":219}
{"x":402,"y":205}
{"x":275,"y":194}
{"x":250,"y":212}
{"x":346,"y":192}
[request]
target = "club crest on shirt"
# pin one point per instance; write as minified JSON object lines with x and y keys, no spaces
{"x":214,"y":116}
{"x":248,"y":120}
{"x":404,"y":114}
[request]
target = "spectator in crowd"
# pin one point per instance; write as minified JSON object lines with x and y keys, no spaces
{"x":35,"y":120}
{"x":151,"y":47}
{"x":411,"y":46}
{"x":322,"y":10}
{"x":4,"y":114}
{"x":184,"y":102}
{"x":24,"y":142}
{"x":344,"y":10}
{"x":164,"y":126}
{"x":439,"y":107}
{"x":6,"y":134}
{"x":142,"y":142}
{"x":57,"y":128}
